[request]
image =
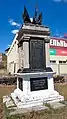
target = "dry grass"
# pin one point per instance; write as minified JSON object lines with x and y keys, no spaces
{"x":4,"y":90}
{"x":62,"y":89}
{"x":47,"y":114}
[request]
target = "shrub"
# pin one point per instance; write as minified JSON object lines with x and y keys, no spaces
{"x":59,"y":79}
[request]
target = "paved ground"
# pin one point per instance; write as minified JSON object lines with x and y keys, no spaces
{"x":20,"y":111}
{"x":57,"y":105}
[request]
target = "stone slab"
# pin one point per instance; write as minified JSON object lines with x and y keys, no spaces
{"x":38,"y":108}
{"x":18,"y":111}
{"x":10,"y":104}
{"x":65,"y":102}
{"x":6,"y":98}
{"x":12,"y":108}
{"x":35,"y":108}
{"x":8,"y":101}
{"x":56,"y":105}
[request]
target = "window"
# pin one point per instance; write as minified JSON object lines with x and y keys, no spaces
{"x":62,"y":61}
{"x":52,"y":61}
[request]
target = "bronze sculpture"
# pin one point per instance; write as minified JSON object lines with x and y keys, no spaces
{"x":36,"y":19}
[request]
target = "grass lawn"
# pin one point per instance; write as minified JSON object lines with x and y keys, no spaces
{"x":62,"y":88}
{"x":5,"y":90}
{"x":46,"y":114}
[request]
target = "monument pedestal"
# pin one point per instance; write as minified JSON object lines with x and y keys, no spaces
{"x":35,"y":89}
{"x":35,"y":84}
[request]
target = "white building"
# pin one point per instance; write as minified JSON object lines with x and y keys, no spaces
{"x":58,"y":56}
{"x":12,"y":57}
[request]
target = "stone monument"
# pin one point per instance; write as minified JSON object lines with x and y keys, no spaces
{"x":35,"y":84}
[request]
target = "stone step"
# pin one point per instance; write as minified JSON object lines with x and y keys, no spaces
{"x":54,"y":96}
{"x":24,"y":102}
{"x":29,"y":104}
{"x":54,"y":99}
{"x":56,"y":105}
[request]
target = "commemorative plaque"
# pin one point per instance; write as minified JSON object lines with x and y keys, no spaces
{"x":38,"y":83}
{"x":37,"y":54}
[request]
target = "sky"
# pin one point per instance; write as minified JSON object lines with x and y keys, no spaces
{"x":54,"y":15}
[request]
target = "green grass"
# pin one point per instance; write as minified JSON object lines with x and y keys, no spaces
{"x":46,"y":114}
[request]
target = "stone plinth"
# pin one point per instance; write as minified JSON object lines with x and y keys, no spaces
{"x":35,"y":89}
{"x":33,"y":43}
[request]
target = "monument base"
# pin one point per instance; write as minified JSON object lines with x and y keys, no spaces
{"x":34,"y":100}
{"x":37,"y":89}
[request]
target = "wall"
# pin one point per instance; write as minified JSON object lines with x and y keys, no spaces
{"x":58,"y":58}
{"x":58,"y":49}
{"x":59,"y":68}
{"x":58,"y":55}
{"x":3,"y":61}
{"x":21,"y":56}
{"x":12,"y":57}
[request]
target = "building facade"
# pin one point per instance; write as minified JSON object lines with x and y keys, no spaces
{"x":57,"y":51}
{"x":12,"y":57}
{"x":58,"y":55}
{"x":3,"y":64}
{"x":3,"y":61}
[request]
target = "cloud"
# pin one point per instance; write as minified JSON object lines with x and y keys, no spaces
{"x":61,"y":36}
{"x":14,"y":31}
{"x":57,"y":0}
{"x":9,"y":46}
{"x":65,"y":0}
{"x":13,"y":23}
{"x":60,"y":0}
